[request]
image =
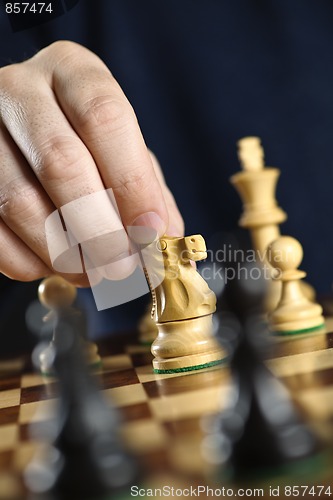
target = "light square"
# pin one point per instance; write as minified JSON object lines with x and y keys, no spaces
{"x":8,"y":436}
{"x":10,"y":398}
{"x":145,"y":435}
{"x":126,"y":395}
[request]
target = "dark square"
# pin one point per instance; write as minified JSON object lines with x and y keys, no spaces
{"x":110,"y":380}
{"x":141,"y":358}
{"x":9,"y":415}
{"x":6,"y":459}
{"x":9,"y":383}
{"x":135,"y":412}
{"x":38,"y":393}
{"x":187,"y":383}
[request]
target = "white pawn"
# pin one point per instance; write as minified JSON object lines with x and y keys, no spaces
{"x":294,"y":312}
{"x":256,"y":185}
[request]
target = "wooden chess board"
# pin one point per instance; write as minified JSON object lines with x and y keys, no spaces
{"x":163,"y":415}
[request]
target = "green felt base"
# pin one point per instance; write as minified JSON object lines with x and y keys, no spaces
{"x":297,"y":332}
{"x":190,"y":368}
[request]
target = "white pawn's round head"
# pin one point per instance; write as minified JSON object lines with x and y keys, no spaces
{"x":285,"y":253}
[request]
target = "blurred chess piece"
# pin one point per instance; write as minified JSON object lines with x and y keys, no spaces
{"x":147,"y":328}
{"x":85,"y":458}
{"x":259,"y":432}
{"x":58,"y":295}
{"x":294,"y":312}
{"x":256,"y":185}
{"x":183,"y":305}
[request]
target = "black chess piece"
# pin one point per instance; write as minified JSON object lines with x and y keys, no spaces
{"x":58,"y":295}
{"x":259,"y":431}
{"x":261,"y":426}
{"x":87,"y":460}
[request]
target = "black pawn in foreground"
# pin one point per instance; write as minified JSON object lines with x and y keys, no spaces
{"x":261,"y":426}
{"x":58,"y":295}
{"x":87,"y":460}
{"x":259,"y":432}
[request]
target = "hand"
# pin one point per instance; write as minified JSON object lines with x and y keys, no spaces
{"x":66,"y":131}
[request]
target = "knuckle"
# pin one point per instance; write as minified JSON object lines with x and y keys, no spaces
{"x":58,"y":159}
{"x":18,"y":199}
{"x":62,"y":46}
{"x":105,"y":113}
{"x":62,"y":53}
{"x":59,"y":50}
{"x":136,"y":181}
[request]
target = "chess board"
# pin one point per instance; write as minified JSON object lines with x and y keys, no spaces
{"x":163,"y":415}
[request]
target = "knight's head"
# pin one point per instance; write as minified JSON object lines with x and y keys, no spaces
{"x":184,"y":249}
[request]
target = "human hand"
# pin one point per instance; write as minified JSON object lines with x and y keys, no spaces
{"x":67,"y":131}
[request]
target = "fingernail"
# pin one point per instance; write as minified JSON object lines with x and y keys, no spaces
{"x":146,"y":228}
{"x":122,"y":269}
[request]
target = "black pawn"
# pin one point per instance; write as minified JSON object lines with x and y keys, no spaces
{"x":261,"y":427}
{"x":260,"y":430}
{"x":87,"y":460}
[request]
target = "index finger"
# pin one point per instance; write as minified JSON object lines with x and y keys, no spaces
{"x":103,"y":118}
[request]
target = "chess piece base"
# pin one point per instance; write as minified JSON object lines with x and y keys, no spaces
{"x":186,"y":345}
{"x":188,"y":363}
{"x":308,"y":318}
{"x":289,"y":328}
